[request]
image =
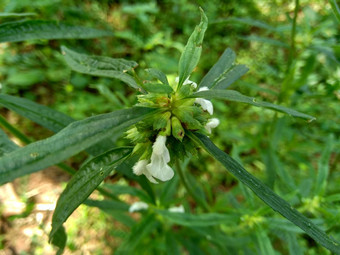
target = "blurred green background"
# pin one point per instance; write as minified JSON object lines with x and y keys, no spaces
{"x":296,"y":69}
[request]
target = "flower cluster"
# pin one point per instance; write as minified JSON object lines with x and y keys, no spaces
{"x":163,"y":134}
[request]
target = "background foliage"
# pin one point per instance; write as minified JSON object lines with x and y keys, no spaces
{"x":297,"y":68}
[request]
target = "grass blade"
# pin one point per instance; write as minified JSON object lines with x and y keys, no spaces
{"x":267,"y":195}
{"x":23,"y":30}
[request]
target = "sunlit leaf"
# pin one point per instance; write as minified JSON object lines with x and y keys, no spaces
{"x":100,"y":66}
{"x":23,"y":30}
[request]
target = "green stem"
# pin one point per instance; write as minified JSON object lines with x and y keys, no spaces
{"x":293,"y":35}
{"x":184,"y":180}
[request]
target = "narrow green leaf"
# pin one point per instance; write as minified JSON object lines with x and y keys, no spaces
{"x":261,"y":39}
{"x":232,"y":75}
{"x":138,"y":232}
{"x":157,"y":88}
{"x":158,"y":74}
{"x":201,"y":220}
{"x":23,"y":30}
{"x":73,"y":139}
{"x":224,"y":72}
{"x":107,"y":205}
{"x":235,"y":96}
{"x":49,"y":118}
{"x":101,"y":66}
{"x":192,"y":51}
{"x":267,"y":195}
{"x":44,"y":116}
{"x":121,"y":189}
{"x":83,"y":183}
{"x":59,"y":240}
{"x":6,"y":144}
{"x":335,"y":8}
{"x":12,"y":14}
{"x":263,"y":240}
{"x":323,"y":166}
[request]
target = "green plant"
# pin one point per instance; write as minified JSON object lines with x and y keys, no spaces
{"x":169,"y":123}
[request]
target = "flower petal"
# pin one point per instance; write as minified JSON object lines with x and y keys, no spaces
{"x":138,"y":206}
{"x":212,"y":123}
{"x":139,"y":167}
{"x":205,"y":104}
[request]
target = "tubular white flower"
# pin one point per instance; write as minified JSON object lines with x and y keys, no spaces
{"x":160,"y":158}
{"x":187,"y":81}
{"x":205,"y":104}
{"x":177,"y":209}
{"x":212,"y":123}
{"x":140,"y":168}
{"x":138,"y":206}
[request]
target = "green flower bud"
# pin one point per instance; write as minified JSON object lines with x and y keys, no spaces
{"x":177,"y":129}
{"x":161,"y":120}
{"x":167,"y":130}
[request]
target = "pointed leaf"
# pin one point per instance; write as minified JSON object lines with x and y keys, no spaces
{"x":235,"y":96}
{"x":267,"y":195}
{"x":157,"y":88}
{"x":12,"y":14}
{"x":6,"y":144}
{"x":158,"y":74}
{"x":83,"y":183}
{"x":44,"y":116}
{"x":224,"y":72}
{"x":23,"y":30}
{"x":323,"y":166}
{"x":207,"y":219}
{"x":335,"y":8}
{"x":100,"y":66}
{"x":71,"y":140}
{"x":192,"y":51}
{"x":49,"y":118}
{"x":59,"y":240}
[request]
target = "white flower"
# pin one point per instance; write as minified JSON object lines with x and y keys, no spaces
{"x":212,"y":123}
{"x":205,"y":104}
{"x":177,"y":209}
{"x":138,"y":206}
{"x":140,"y":168}
{"x":187,"y":81}
{"x":160,"y":158}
